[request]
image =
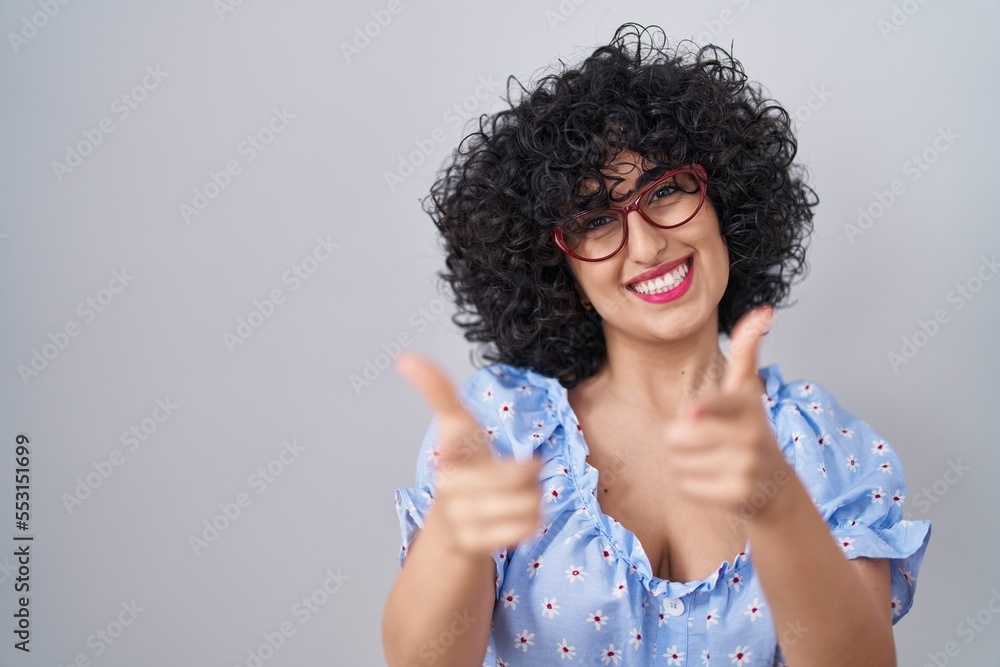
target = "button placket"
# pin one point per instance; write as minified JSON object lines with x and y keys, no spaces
{"x":675,"y":630}
{"x":673,"y":606}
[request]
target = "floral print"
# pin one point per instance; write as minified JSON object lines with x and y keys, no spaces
{"x":582,"y":588}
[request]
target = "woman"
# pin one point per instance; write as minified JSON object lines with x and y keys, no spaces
{"x":596,"y":493}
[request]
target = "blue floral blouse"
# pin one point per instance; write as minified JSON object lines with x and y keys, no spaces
{"x":581,"y":590}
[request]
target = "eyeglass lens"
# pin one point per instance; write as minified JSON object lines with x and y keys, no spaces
{"x":672,"y":201}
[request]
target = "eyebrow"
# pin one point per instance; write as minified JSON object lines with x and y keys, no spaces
{"x":592,"y":202}
{"x":645,"y":179}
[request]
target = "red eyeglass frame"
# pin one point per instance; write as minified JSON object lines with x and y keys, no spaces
{"x":699,"y":172}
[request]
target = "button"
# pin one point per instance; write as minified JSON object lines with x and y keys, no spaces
{"x":673,"y":606}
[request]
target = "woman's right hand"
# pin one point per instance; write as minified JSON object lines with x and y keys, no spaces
{"x":481,"y":501}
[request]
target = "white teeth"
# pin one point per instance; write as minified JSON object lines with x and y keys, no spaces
{"x":664,"y":283}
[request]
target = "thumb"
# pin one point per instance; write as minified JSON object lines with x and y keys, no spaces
{"x":744,"y":344}
{"x":460,"y":437}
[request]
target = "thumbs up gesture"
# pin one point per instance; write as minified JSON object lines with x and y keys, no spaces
{"x":484,"y":502}
{"x":722,"y":450}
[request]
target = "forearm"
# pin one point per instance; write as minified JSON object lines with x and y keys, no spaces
{"x":823,"y":613}
{"x":440,"y":606}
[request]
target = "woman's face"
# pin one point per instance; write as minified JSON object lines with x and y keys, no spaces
{"x":695,"y":301}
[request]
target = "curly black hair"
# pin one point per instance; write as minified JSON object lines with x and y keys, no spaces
{"x":506,"y":185}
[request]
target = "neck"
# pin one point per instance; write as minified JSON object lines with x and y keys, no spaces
{"x":662,"y":376}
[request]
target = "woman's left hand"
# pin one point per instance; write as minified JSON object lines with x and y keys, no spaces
{"x":721,"y":450}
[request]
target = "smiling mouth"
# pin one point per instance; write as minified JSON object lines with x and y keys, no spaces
{"x":664,"y":283}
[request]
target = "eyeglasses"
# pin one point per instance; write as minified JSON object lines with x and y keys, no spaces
{"x":670,"y":201}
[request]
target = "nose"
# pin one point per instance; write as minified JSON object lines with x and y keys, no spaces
{"x":645,"y":242}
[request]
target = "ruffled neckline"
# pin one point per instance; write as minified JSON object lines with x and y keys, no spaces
{"x":624,"y":542}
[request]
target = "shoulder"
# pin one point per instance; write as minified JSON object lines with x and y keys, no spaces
{"x":503,"y":379}
{"x":516,"y":406}
{"x":855,"y":479}
{"x":498,"y":383}
{"x":836,"y":452}
{"x":809,"y":412}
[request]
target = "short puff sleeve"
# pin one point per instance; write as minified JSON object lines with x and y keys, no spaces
{"x":856,"y":481}
{"x":413,"y":503}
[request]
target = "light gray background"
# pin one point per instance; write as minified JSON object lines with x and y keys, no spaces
{"x":887,"y":96}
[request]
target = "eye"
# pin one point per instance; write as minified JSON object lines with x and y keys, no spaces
{"x":597,"y":220}
{"x":663,"y":190}
{"x":672,"y":190}
{"x":589,"y":222}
